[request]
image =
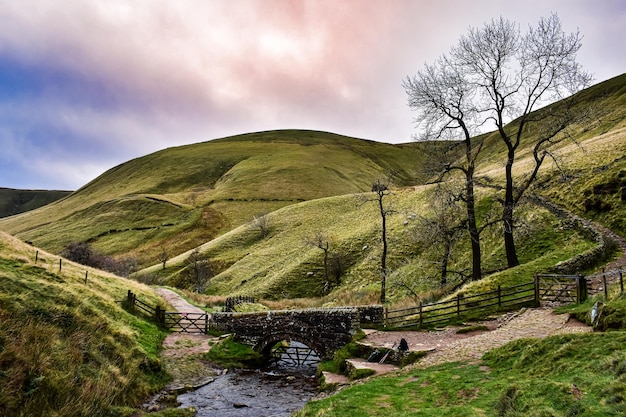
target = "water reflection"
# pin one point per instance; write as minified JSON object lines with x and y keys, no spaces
{"x":276,"y":391}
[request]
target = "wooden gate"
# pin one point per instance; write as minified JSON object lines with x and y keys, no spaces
{"x":186,"y":322}
{"x":561,"y":288}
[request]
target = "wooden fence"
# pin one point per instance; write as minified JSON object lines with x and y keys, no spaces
{"x":464,"y":307}
{"x":560,"y":289}
{"x":232,"y":302}
{"x":171,"y":320}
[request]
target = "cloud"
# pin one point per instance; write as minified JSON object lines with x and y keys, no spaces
{"x":111,"y":80}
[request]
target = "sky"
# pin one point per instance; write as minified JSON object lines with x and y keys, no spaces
{"x":88,"y":84}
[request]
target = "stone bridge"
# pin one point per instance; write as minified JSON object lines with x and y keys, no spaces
{"x":322,"y":329}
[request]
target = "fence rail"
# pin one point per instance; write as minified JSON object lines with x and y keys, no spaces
{"x":545,"y":287}
{"x":463,"y":306}
{"x":175,"y":321}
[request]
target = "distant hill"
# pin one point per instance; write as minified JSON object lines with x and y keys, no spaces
{"x":14,"y":201}
{"x":181,"y":197}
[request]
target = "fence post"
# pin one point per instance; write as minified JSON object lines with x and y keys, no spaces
{"x":206,"y":323}
{"x":421,"y":317}
{"x":131,"y":300}
{"x":36,"y":257}
{"x":499,"y":296}
{"x":621,"y":282}
{"x":537,"y":302}
{"x":86,"y":274}
{"x":606,"y":290}
{"x":60,"y":263}
{"x":458,"y":305}
{"x":581,"y":289}
{"x":386,"y":316}
{"x":160,"y":316}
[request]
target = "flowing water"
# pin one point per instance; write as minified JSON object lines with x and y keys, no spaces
{"x":276,"y":391}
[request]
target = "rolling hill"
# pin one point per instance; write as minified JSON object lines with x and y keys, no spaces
{"x":19,"y":201}
{"x":67,"y":347}
{"x":181,"y":197}
{"x":311,"y":183}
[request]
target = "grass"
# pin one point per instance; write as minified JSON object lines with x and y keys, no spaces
{"x":69,"y":348}
{"x":231,"y":354}
{"x":181,"y":197}
{"x":570,"y":375}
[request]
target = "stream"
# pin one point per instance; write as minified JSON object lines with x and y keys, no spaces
{"x":276,"y":391}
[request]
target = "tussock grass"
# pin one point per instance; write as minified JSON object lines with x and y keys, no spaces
{"x":68,"y":348}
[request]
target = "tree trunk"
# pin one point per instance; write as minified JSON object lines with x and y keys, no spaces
{"x":472,"y":228}
{"x":383,"y":260}
{"x":507,"y":213}
{"x":444,"y":262}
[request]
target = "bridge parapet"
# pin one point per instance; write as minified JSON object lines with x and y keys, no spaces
{"x":322,"y":329}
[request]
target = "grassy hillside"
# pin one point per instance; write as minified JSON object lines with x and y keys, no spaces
{"x":19,"y":201}
{"x":67,"y":348}
{"x":282,"y":265}
{"x":181,"y":197}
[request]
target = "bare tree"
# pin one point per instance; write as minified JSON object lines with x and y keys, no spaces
{"x":320,"y":241}
{"x":505,"y":75}
{"x":163,"y":257}
{"x":513,"y":74}
{"x":198,"y":270}
{"x":443,"y":228}
{"x":443,"y":99}
{"x":381,"y":189}
{"x":260,"y":223}
{"x":334,"y":261}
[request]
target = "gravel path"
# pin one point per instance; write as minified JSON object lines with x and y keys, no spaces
{"x":448,"y":346}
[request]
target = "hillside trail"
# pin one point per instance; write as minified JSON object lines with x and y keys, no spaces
{"x":182,"y":352}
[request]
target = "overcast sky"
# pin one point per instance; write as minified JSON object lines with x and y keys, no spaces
{"x":87,"y":84}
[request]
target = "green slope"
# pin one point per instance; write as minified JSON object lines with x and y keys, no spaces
{"x":283,"y":265}
{"x":67,"y":348}
{"x":181,"y":197}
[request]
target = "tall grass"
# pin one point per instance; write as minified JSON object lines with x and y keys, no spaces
{"x":68,"y":348}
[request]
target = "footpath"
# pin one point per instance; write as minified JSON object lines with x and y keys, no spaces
{"x":447,"y":346}
{"x":181,"y":355}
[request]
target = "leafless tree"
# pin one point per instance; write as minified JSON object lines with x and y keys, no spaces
{"x":320,"y":241}
{"x":260,"y":223}
{"x":443,"y":99}
{"x":380,"y":188}
{"x":198,"y":270}
{"x":442,"y":229}
{"x":163,"y":257}
{"x":334,"y":261}
{"x":505,"y":75}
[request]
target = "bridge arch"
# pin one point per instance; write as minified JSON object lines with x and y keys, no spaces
{"x":323,"y":330}
{"x":266,"y":343}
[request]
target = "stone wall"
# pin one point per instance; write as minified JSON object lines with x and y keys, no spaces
{"x":323,"y":330}
{"x":583,"y":260}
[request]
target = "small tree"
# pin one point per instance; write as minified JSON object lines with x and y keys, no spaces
{"x":443,"y":228}
{"x":320,"y":241}
{"x":163,"y":257}
{"x":260,"y":223}
{"x":380,"y":188}
{"x":198,"y":270}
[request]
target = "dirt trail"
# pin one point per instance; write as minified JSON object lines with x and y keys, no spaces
{"x":448,"y":346}
{"x":182,"y":352}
